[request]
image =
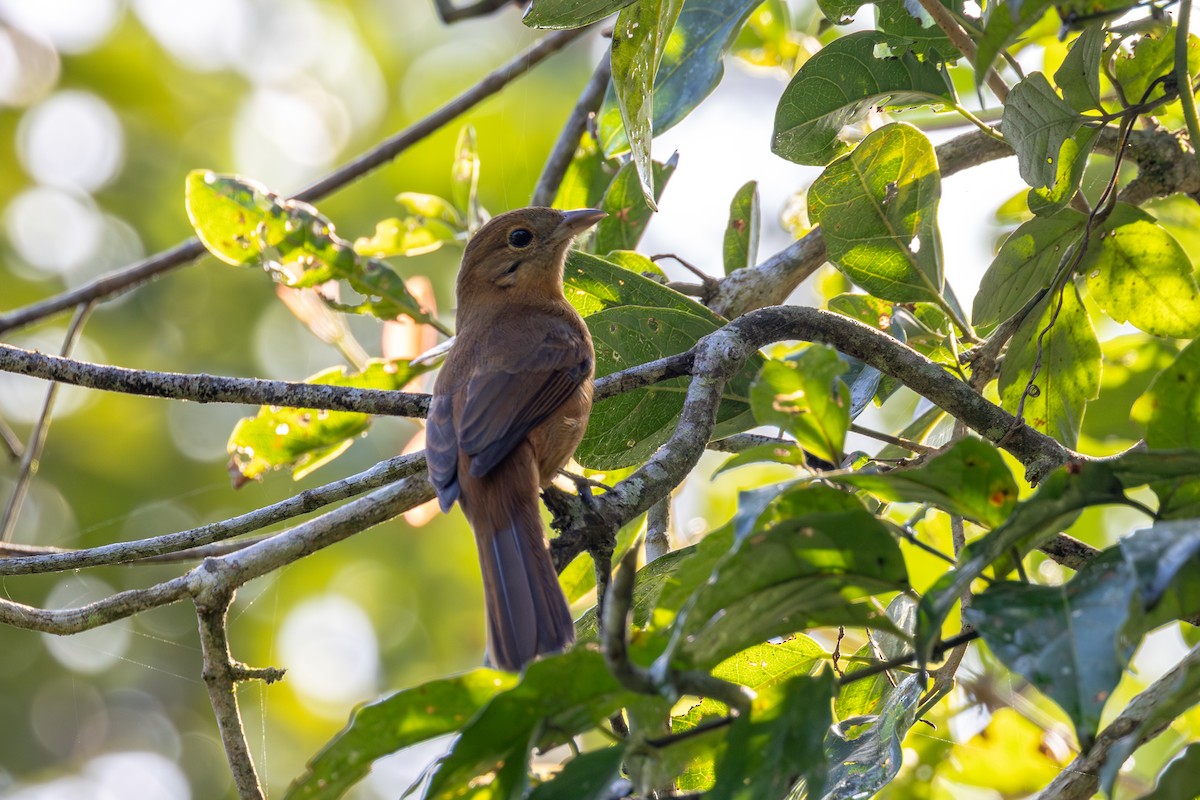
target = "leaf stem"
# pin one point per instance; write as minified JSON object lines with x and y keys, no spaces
{"x":1183,"y":78}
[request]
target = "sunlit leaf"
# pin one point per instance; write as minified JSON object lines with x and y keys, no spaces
{"x":405,"y":718}
{"x":628,"y":213}
{"x":1078,"y":77}
{"x":1069,"y":376}
{"x":1009,"y":738}
{"x":840,"y":84}
{"x":592,"y":284}
{"x":878,"y":210}
{"x":1170,"y":408}
{"x":303,"y":439}
{"x":1072,"y":160}
{"x":1153,"y":57}
{"x":741,"y":234}
{"x":803,"y":396}
{"x":1130,"y":363}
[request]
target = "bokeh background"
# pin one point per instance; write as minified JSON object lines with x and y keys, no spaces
{"x":105,"y":105}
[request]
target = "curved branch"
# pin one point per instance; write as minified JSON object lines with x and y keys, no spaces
{"x":130,"y":277}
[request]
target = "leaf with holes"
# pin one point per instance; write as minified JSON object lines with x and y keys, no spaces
{"x":626,"y":429}
{"x":593,"y":284}
{"x":628,"y":213}
{"x":428,"y":223}
{"x":1153,"y":57}
{"x":878,"y":210}
{"x":1068,"y":377}
{"x":303,"y":439}
{"x":840,"y":84}
{"x":1036,"y":123}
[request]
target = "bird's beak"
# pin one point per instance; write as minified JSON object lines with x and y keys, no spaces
{"x":576,"y":222}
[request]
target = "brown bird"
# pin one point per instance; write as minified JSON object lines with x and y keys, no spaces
{"x":509,"y":408}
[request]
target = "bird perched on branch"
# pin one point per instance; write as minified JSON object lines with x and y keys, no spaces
{"x":509,"y":408}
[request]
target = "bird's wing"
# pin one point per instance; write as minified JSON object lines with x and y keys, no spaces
{"x":441,"y":449}
{"x":508,"y":400}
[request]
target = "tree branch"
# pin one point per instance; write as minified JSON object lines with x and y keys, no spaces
{"x":568,"y":139}
{"x":123,"y":280}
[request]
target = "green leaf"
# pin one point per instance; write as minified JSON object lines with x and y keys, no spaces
{"x":970,"y":480}
{"x":587,"y":776}
{"x":1153,"y":57}
{"x":638,"y":42}
{"x":579,"y":577}
{"x":1079,"y":74}
{"x":692,"y":65}
{"x":428,"y":223}
{"x":1072,"y":160}
{"x":803,"y":396}
{"x":628,"y":213}
{"x":303,"y":439}
{"x":783,"y":452}
{"x":1164,"y":561}
{"x":570,"y":13}
{"x":1051,"y":508}
{"x":741,"y":234}
{"x":1138,"y":272}
{"x":1005,"y":22}
{"x":593,"y":284}
{"x":1066,"y":640}
{"x":777,"y":743}
{"x":911,"y":23}
{"x":878,"y":210}
{"x":561,"y":695}
{"x":1170,"y":408}
{"x":840,"y":84}
{"x":861,"y":766}
{"x":626,"y":429}
{"x":1036,"y":123}
{"x":803,"y":571}
{"x":1028,"y":261}
{"x":1178,"y":780}
{"x":242,"y":223}
{"x":647,"y":588}
{"x":1070,"y":367}
{"x":405,"y":718}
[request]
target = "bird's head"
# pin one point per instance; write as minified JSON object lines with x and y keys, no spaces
{"x":521,"y":252}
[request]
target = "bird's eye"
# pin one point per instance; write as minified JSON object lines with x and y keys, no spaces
{"x":520,"y":238}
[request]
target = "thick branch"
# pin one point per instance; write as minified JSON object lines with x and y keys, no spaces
{"x":117,"y":282}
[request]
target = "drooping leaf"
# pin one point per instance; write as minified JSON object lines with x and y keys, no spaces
{"x":1037,"y":122}
{"x":861,"y":766}
{"x":1066,"y":640}
{"x":1079,"y":74}
{"x":741,"y":234}
{"x":1028,"y":261}
{"x":626,"y":429}
{"x":405,"y":718}
{"x":878,"y":210}
{"x":1170,"y":408}
{"x":303,"y":439}
{"x":638,"y":42}
{"x":242,"y":223}
{"x":808,"y":570}
{"x":841,"y":83}
{"x":1069,"y":374}
{"x":778,"y":742}
{"x":570,"y":13}
{"x":464,"y":178}
{"x":428,"y":223}
{"x":804,"y":396}
{"x":628,"y":213}
{"x":1138,"y":272}
{"x":692,"y":65}
{"x":970,"y":480}
{"x":1072,"y":160}
{"x":1054,"y":505}
{"x":559,"y":696}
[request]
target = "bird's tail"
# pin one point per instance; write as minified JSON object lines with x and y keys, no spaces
{"x":527,"y":614}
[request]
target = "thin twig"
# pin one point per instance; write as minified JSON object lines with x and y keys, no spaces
{"x":568,"y":139}
{"x":10,"y":441}
{"x":41,"y":429}
{"x":58,"y":560}
{"x":450,"y":13}
{"x":1183,"y":77}
{"x":122,"y":280}
{"x":907,"y":444}
{"x":959,"y":38}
